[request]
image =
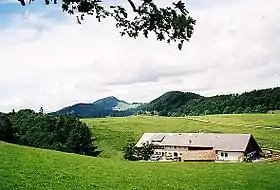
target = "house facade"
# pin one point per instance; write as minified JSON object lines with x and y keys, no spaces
{"x":201,"y":146}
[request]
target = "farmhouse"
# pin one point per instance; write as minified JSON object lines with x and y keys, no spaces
{"x":201,"y":146}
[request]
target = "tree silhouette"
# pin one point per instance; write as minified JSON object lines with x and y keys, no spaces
{"x":41,"y":110}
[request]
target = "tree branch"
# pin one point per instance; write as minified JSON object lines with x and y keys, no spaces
{"x":168,"y":24}
{"x":22,"y":2}
{"x":133,"y":6}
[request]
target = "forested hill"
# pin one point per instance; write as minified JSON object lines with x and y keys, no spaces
{"x":171,"y":101}
{"x":176,"y":103}
{"x":110,"y":106}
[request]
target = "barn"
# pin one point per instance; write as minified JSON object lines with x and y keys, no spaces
{"x":201,"y":146}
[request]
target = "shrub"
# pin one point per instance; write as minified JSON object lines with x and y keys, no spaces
{"x":146,"y":151}
{"x":129,"y":150}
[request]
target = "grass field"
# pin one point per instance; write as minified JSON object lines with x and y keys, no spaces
{"x":112,"y":133}
{"x":30,"y":168}
{"x":266,"y":120}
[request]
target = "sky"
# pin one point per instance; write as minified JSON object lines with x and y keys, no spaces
{"x":49,"y":60}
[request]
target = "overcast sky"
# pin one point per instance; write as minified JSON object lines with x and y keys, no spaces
{"x":48,"y":60}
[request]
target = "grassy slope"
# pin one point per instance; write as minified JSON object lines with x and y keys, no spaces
{"x":268,"y":120}
{"x":30,"y":168}
{"x":112,"y":133}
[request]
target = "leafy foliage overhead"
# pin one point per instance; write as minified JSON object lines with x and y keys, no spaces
{"x":172,"y":23}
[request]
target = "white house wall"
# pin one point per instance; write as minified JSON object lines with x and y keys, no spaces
{"x":231,"y":156}
{"x":168,"y":152}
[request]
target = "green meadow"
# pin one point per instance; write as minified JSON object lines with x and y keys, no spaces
{"x":112,"y":133}
{"x":266,"y":120}
{"x":31,"y":168}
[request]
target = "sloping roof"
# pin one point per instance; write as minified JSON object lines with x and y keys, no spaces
{"x":157,"y":138}
{"x":199,"y":155}
{"x":231,"y":142}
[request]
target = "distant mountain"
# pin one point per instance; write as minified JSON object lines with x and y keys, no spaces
{"x":176,"y":103}
{"x":109,"y":106}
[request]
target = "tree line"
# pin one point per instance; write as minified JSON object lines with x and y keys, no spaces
{"x":178,"y":103}
{"x":62,"y":133}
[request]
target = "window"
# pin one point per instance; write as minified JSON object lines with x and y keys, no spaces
{"x":224,"y":154}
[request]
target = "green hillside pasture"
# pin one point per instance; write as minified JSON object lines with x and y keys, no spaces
{"x":265,"y":120}
{"x":30,"y":168}
{"x":112,"y":133}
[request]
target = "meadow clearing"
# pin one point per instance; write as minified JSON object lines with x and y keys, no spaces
{"x":32,"y":168}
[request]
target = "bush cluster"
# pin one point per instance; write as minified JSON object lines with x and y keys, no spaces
{"x":63,"y":133}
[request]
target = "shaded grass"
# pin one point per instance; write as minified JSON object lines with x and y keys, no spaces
{"x":30,"y":168}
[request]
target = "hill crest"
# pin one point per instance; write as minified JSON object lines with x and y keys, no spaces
{"x":176,"y":103}
{"x":109,"y":106}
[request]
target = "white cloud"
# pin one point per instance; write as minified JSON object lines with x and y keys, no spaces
{"x":57,"y":63}
{"x":9,"y":1}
